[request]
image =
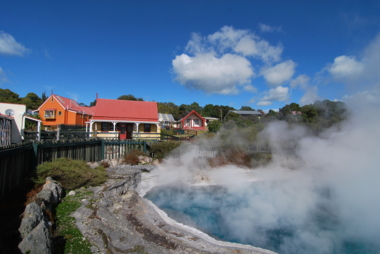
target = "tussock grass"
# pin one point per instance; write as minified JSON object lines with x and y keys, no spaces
{"x":71,"y":174}
{"x":131,"y":157}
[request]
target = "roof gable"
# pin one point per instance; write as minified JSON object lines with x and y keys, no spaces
{"x":126,"y":110}
{"x":191,"y":113}
{"x":68,"y":104}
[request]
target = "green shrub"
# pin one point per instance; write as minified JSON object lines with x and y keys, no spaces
{"x":131,"y":157}
{"x":171,"y":132}
{"x":162,"y":149}
{"x":71,"y":174}
{"x":214,"y":126}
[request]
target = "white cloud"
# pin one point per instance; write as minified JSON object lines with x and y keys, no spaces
{"x":310,"y":96}
{"x":222,"y":61}
{"x":301,"y":81}
{"x":279,"y":93}
{"x":9,"y":46}
{"x":210,"y":74}
{"x":227,"y":37}
{"x":268,"y":28}
{"x":264,"y":103}
{"x":3,"y":77}
{"x":250,"y":88}
{"x":279,"y":73}
{"x":346,"y":67}
{"x":256,"y":47}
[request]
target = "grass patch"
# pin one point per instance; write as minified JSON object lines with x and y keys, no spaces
{"x":132,"y":157}
{"x":65,"y":225}
{"x":71,"y":174}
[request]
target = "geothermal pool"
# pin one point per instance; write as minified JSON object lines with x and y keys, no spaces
{"x":257,"y":216}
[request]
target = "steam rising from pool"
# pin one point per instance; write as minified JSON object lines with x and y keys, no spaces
{"x":318,"y":195}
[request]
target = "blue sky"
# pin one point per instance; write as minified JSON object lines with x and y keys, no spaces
{"x":262,"y":54}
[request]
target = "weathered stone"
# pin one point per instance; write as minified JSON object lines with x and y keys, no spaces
{"x":55,"y":188}
{"x":33,"y":215}
{"x":39,"y":240}
{"x":72,"y":193}
{"x":46,"y":195}
{"x":93,"y":165}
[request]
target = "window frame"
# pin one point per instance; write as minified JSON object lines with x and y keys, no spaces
{"x":147,"y":127}
{"x":49,"y":116}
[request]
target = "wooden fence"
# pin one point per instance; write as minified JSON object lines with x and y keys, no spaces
{"x":212,"y":151}
{"x":18,"y":162}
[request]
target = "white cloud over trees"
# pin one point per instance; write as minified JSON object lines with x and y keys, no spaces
{"x":279,"y":93}
{"x":222,"y":62}
{"x":278,"y":74}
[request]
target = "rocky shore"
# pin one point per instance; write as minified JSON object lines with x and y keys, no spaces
{"x":118,"y":220}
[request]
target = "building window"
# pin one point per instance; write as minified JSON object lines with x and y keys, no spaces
{"x":49,"y":114}
{"x":196,"y":122}
{"x":59,"y":113}
{"x":105,"y":127}
{"x":147,"y":127}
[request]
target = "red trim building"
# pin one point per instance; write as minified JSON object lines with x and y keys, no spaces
{"x":193,"y":121}
{"x":124,"y":118}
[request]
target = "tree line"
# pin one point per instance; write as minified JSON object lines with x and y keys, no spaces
{"x":318,"y":116}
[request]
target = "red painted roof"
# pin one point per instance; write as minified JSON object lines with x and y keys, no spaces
{"x":73,"y":105}
{"x":107,"y":109}
{"x":69,"y":104}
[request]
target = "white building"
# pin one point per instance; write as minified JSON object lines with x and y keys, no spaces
{"x":17,"y":112}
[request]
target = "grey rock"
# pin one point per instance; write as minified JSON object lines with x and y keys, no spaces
{"x":33,"y":215}
{"x":55,"y":188}
{"x":93,"y":165}
{"x":46,"y":195}
{"x":38,"y":241}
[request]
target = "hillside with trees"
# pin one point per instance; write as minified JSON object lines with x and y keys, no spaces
{"x":317,"y":116}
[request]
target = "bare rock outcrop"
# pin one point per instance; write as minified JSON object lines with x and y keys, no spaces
{"x":35,"y":228}
{"x":117,"y":220}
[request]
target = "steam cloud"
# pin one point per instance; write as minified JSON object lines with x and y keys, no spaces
{"x":325,"y":189}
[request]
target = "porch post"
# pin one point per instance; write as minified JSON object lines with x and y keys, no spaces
{"x":137,"y":127}
{"x":39,"y":131}
{"x":114,"y":126}
{"x":90,"y":130}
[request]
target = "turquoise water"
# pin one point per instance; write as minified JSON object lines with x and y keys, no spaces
{"x":213,"y":210}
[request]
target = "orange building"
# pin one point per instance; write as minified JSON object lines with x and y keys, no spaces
{"x":58,"y":110}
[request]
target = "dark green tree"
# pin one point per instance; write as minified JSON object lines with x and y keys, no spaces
{"x":129,"y":97}
{"x":7,"y":95}
{"x":32,"y":101}
{"x":294,"y":107}
{"x":246,"y":108}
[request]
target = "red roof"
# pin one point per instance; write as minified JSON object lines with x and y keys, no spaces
{"x":73,"y":105}
{"x":107,"y":109}
{"x":69,"y":104}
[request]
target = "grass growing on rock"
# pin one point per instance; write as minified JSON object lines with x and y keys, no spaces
{"x":72,"y":241}
{"x":71,"y":174}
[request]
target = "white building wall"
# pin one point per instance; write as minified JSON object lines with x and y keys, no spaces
{"x":18,"y":124}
